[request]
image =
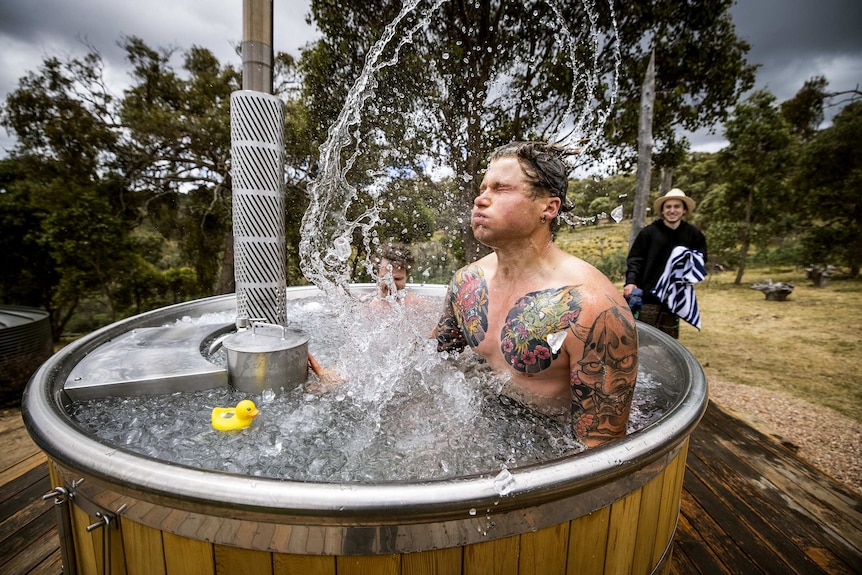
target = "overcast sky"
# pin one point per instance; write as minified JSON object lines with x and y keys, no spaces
{"x":792,"y":40}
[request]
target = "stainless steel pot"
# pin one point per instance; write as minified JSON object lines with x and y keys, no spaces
{"x":266,"y":356}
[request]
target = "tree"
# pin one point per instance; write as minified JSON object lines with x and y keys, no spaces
{"x":804,"y":112}
{"x":90,"y":169}
{"x":702,"y":176}
{"x":178,"y":142}
{"x":79,"y":211}
{"x":756,"y":164}
{"x":29,"y":273}
{"x":692,"y":45}
{"x":645,"y":145}
{"x":701,"y":72}
{"x":616,"y":190}
{"x":159,"y":155}
{"x":828,"y":180}
{"x":475,"y":75}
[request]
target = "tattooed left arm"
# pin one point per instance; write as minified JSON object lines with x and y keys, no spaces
{"x":447,"y":332}
{"x":603,"y":377}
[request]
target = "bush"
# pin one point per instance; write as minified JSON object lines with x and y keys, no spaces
{"x":785,"y":254}
{"x":722,"y":240}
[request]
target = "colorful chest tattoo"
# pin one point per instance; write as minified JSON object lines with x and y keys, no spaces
{"x":527,"y":334}
{"x":531,"y":324}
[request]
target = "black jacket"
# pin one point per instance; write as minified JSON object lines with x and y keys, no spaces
{"x":651,"y":249}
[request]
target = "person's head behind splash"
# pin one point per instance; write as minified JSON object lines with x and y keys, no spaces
{"x":395,"y":261}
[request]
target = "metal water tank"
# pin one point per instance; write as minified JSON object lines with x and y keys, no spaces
{"x":25,"y":343}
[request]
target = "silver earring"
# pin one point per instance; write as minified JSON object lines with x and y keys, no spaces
{"x":544,"y":219}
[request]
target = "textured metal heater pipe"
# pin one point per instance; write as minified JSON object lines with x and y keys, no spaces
{"x":257,"y":144}
{"x":257,"y":152}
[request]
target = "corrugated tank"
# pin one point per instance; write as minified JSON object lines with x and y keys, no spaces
{"x":25,"y":343}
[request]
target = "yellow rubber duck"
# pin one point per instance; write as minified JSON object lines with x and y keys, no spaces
{"x":232,"y":418}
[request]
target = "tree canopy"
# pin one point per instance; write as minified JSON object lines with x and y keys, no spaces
{"x":755,"y":170}
{"x":474,"y":75}
{"x":701,"y":72}
{"x":91,"y":170}
{"x":828,"y":180}
{"x":78,"y":212}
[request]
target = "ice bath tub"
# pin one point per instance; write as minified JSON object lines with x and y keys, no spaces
{"x":611,"y":509}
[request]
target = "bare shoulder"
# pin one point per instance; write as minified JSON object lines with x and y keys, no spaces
{"x":583,"y":274}
{"x":480,"y":267}
{"x":576,"y":264}
{"x":597,"y":293}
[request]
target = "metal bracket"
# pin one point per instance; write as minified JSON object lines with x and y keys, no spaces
{"x":60,"y":495}
{"x":70,"y":494}
{"x":106,"y":519}
{"x":63,"y":495}
{"x":62,"y":503}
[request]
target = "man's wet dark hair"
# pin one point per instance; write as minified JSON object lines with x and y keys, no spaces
{"x":543,"y":166}
{"x":399,"y":255}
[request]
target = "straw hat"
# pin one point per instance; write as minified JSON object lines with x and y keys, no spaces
{"x":674,"y":194}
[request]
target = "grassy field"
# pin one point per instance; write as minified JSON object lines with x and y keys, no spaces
{"x":809,"y":346}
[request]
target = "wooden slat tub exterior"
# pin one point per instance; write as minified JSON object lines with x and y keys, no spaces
{"x":635,"y":538}
{"x":748,"y":505}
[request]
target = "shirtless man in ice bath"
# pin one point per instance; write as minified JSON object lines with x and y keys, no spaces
{"x":553,"y":322}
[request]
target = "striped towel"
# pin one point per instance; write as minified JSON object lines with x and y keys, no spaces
{"x":685,"y":267}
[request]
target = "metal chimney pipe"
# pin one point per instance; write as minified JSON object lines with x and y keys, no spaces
{"x":257,"y":53}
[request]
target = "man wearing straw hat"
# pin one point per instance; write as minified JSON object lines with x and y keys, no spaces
{"x":649,"y":254}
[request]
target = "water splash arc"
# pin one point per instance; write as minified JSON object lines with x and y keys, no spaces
{"x":327,"y":232}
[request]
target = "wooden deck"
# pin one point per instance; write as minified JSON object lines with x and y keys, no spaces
{"x":749,"y":505}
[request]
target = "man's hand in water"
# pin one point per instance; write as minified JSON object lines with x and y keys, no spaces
{"x":326,"y":377}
